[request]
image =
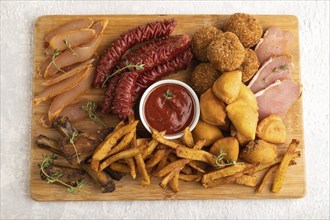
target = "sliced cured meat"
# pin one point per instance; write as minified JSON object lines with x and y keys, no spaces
{"x":276,"y":68}
{"x":277,"y":98}
{"x":274,"y":42}
{"x":158,"y":52}
{"x":73,"y":25}
{"x":118,"y":48}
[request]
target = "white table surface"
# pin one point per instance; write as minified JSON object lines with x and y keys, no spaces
{"x":17,"y":20}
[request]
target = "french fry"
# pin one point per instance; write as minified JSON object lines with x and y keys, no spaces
{"x":120,"y":167}
{"x":119,"y":125}
{"x":199,"y":155}
{"x":247,"y":180}
{"x":195,"y":166}
{"x":227,"y":171}
{"x":188,"y":138}
{"x":185,"y":169}
{"x":151,"y":147}
{"x":170,"y":167}
{"x":199,"y":145}
{"x":278,"y":181}
{"x":248,"y":170}
{"x":189,"y":178}
{"x":131,"y":164}
{"x":95,"y":164}
{"x":174,"y":183}
{"x":159,"y":137}
{"x":169,"y":176}
{"x":142,"y":141}
{"x":122,"y":144}
{"x":276,"y":161}
{"x":121,"y":155}
{"x":145,"y":178}
{"x":162,"y":163}
{"x":110,"y":141}
{"x":155,"y":159}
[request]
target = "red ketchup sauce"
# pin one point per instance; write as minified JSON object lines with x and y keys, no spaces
{"x":170,"y":108}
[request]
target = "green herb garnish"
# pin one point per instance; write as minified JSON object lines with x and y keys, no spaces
{"x":48,"y":161}
{"x":90,"y":109}
{"x":56,"y":54}
{"x":138,"y":66}
{"x":168,"y":95}
{"x":68,"y":44}
{"x":73,"y":136}
{"x":222,"y":162}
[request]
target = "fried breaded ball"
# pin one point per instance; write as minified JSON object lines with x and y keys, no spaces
{"x":250,"y":65}
{"x":202,"y":39}
{"x":246,"y":27}
{"x":226,"y":53}
{"x":203,"y":77}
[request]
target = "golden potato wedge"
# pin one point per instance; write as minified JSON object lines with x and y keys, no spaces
{"x":188,"y":138}
{"x":199,"y":155}
{"x":189,"y":178}
{"x":227,"y":171}
{"x":170,"y":167}
{"x":272,"y":129}
{"x":120,"y":167}
{"x":207,"y":132}
{"x":244,"y":118}
{"x":259,"y":151}
{"x":174,"y":183}
{"x":212,"y":109}
{"x":227,"y":86}
{"x":159,"y":137}
{"x":278,"y":181}
{"x":247,"y":180}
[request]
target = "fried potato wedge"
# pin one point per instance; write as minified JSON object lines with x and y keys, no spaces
{"x":169,"y":176}
{"x":159,"y":137}
{"x":122,"y":144}
{"x":174,"y":183}
{"x":189,"y":178}
{"x":199,"y":155}
{"x":153,"y":161}
{"x":120,"y":167}
{"x":102,"y":150}
{"x":278,"y":181}
{"x":227,"y":171}
{"x":188,"y":138}
{"x":247,"y":180}
{"x":170,"y":167}
{"x":272,"y":129}
{"x":131,"y":164}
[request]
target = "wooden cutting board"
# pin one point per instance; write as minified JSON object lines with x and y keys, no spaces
{"x":127,"y":189}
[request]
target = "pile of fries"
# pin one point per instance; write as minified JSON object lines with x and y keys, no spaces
{"x":181,"y":159}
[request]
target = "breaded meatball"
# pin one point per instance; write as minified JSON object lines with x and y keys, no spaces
{"x":226,"y":53}
{"x":246,"y":27}
{"x":201,"y":40}
{"x":203,"y":77}
{"x":250,"y":65}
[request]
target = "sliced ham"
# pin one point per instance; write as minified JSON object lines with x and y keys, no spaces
{"x":276,"y":68}
{"x":277,"y":98}
{"x":274,"y":42}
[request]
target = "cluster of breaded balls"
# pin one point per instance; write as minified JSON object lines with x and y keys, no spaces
{"x":226,"y":51}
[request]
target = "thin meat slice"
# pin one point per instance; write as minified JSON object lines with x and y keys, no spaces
{"x":73,"y":25}
{"x":60,"y":87}
{"x":147,"y":78}
{"x":161,"y":52}
{"x":66,"y":98}
{"x":80,"y":54}
{"x":123,"y":102}
{"x":278,"y":98}
{"x":276,"y":68}
{"x":68,"y":39}
{"x":119,"y":47}
{"x":275,"y":42}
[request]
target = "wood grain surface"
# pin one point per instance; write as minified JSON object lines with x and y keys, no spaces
{"x":127,"y":189}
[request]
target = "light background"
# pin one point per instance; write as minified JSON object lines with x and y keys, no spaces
{"x":17,"y":20}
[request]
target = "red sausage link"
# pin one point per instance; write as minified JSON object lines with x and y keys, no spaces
{"x":158,"y":52}
{"x":123,"y":43}
{"x":122,"y":102}
{"x":147,"y":78}
{"x":109,"y":95}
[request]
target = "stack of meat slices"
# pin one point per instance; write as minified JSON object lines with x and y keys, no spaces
{"x":164,"y":55}
{"x":273,"y":85}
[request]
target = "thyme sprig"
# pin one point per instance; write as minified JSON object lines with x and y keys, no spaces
{"x":275,"y":70}
{"x":68,"y":44}
{"x":73,"y":136}
{"x":222,"y":162}
{"x":90,"y":109}
{"x":138,"y":66}
{"x":48,"y":161}
{"x":168,"y":95}
{"x":56,"y":54}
